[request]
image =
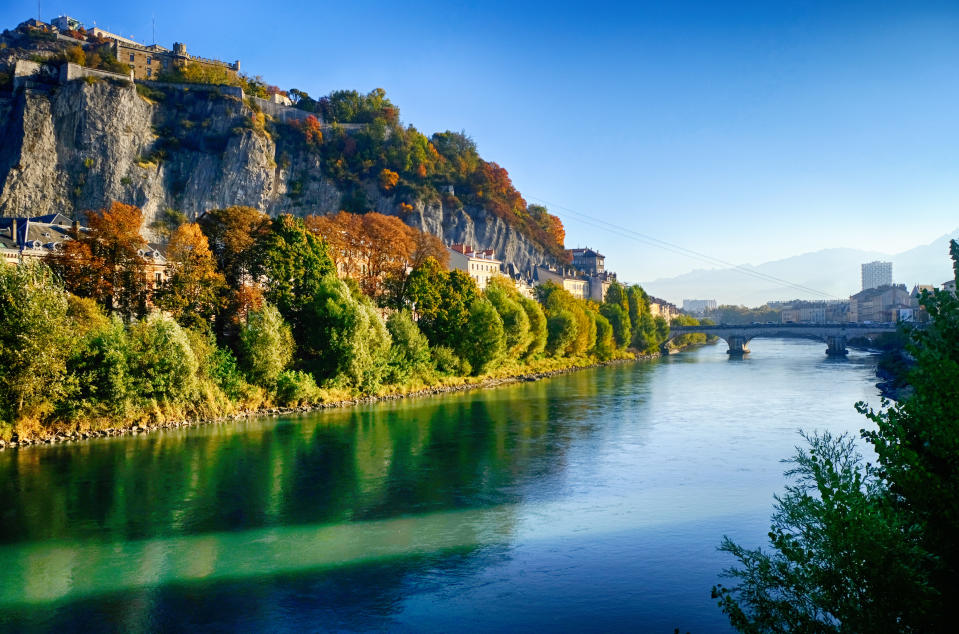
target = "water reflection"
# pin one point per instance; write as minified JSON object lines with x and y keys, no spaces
{"x":592,"y":500}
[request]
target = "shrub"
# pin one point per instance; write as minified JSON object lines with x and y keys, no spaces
{"x":484,"y":342}
{"x":447,"y":363}
{"x":295,"y":388}
{"x":410,"y":351}
{"x":161,"y":360}
{"x":266,"y":345}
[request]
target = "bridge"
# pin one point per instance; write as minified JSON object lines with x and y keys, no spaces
{"x":738,"y":337}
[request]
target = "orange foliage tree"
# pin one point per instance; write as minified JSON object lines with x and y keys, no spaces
{"x":374,"y":249}
{"x":192,"y":292}
{"x":105,"y":262}
{"x":388,"y":179}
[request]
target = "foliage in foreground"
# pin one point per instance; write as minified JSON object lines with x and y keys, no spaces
{"x":868,"y":548}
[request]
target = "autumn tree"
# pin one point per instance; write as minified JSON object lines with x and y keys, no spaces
{"x":193,"y":289}
{"x":106,"y":261}
{"x":388,"y":179}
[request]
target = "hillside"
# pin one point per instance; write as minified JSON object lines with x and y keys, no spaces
{"x":75,"y":146}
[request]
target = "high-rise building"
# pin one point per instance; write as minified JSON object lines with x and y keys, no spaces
{"x":876,"y":274}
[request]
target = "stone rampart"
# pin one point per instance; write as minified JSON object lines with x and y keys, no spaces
{"x":71,"y":71}
{"x":222,"y":89}
{"x":281,"y":112}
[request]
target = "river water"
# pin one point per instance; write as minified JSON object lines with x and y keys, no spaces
{"x":592,"y":501}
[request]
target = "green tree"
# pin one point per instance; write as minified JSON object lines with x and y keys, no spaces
{"x":842,"y":559}
{"x":34,"y":340}
{"x":483,"y":342}
{"x":161,"y":361}
{"x":442,"y":302}
{"x":605,"y":342}
{"x":266,"y":346}
{"x":561,"y":329}
{"x":501,"y":292}
{"x":100,"y":380}
{"x":618,"y":318}
{"x":537,"y":327}
{"x":295,"y":262}
{"x":410,"y":350}
{"x":348,"y":341}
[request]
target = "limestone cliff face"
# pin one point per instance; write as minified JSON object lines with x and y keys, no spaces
{"x":80,"y":145}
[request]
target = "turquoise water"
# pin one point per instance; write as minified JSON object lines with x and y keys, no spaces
{"x":592,"y":501}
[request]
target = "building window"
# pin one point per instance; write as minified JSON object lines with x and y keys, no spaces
{"x":149,"y":72}
{"x":131,"y":57}
{"x":149,"y":61}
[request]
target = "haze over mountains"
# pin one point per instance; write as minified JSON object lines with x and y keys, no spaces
{"x":832,"y":271}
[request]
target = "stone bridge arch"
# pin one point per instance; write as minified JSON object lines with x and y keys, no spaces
{"x":737,"y":338}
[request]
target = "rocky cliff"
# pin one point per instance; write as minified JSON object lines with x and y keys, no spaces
{"x":78,"y":145}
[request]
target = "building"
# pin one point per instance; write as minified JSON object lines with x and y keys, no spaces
{"x":661,"y":308}
{"x":23,"y":239}
{"x":879,"y":305}
{"x":698,"y":306}
{"x":479,"y":265}
{"x":147,"y":62}
{"x":588,"y":261}
{"x":949,"y":286}
{"x":577,"y":285}
{"x":37,"y":237}
{"x":876,"y":274}
{"x":66,"y":23}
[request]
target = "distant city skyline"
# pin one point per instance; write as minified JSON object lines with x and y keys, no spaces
{"x":742,"y":132}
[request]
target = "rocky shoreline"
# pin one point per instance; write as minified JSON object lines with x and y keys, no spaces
{"x":138,"y":428}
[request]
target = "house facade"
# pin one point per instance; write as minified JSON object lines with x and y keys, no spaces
{"x":479,"y":265}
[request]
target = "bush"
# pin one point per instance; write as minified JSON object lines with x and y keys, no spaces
{"x":409,"y":352}
{"x":447,"y":363}
{"x":99,"y":376}
{"x":161,"y":361}
{"x":561,"y":328}
{"x":266,"y":345}
{"x":484,"y":342}
{"x":295,"y":388}
{"x":34,"y":340}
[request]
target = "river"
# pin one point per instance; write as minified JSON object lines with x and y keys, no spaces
{"x":592,"y":501}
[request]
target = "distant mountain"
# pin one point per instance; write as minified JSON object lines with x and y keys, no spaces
{"x":832,"y":271}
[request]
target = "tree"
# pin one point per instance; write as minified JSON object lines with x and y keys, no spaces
{"x":605,"y":343}
{"x":917,"y":439}
{"x":100,"y":378}
{"x":347,"y":341}
{"x":619,"y":320}
{"x":234,"y":235}
{"x":105,"y":263}
{"x":561,"y":329}
{"x":537,"y":327}
{"x":266,"y":346}
{"x":162,"y":362}
{"x":501,"y":292}
{"x":441,"y":301}
{"x":410,"y":350}
{"x":388,"y":179}
{"x":193,"y":289}
{"x":34,"y":340}
{"x":842,"y":559}
{"x":294,"y":262}
{"x":483,"y":342}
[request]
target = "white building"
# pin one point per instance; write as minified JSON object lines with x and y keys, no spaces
{"x":876,"y":274}
{"x":698,"y":306}
{"x":479,"y":265}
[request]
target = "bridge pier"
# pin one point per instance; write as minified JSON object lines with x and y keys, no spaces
{"x":836,"y":346}
{"x":738,"y":345}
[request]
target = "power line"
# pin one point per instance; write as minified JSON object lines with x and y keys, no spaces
{"x":675,"y":248}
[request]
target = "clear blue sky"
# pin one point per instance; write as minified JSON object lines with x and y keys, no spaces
{"x":746,"y":131}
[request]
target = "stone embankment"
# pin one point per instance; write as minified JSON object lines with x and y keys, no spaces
{"x":142,"y":428}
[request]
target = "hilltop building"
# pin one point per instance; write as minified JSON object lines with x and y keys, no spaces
{"x":588,"y":261}
{"x":876,"y":274}
{"x":145,"y":62}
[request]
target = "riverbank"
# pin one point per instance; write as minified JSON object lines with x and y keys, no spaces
{"x":66,"y":435}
